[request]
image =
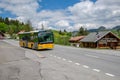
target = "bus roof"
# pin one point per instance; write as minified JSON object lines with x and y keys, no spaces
{"x":36,"y":31}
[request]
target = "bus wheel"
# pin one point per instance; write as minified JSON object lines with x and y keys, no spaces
{"x":32,"y":46}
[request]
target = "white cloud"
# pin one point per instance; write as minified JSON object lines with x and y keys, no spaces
{"x":103,"y":12}
{"x":21,"y":19}
{"x":44,"y":24}
{"x":18,"y":1}
{"x":52,"y":16}
{"x":81,"y":9}
{"x":70,"y":28}
{"x":85,"y":13}
{"x":21,"y":8}
{"x":62,"y":23}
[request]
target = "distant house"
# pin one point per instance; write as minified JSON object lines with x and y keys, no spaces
{"x":75,"y":41}
{"x":104,"y":39}
{"x":1,"y":35}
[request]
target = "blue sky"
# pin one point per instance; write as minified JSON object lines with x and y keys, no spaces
{"x":57,"y":4}
{"x":63,"y":14}
{"x":45,"y":5}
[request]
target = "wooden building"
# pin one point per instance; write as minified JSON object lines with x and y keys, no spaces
{"x":104,"y":39}
{"x":75,"y":41}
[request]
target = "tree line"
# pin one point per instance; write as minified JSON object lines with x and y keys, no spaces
{"x":11,"y":26}
{"x":62,"y":37}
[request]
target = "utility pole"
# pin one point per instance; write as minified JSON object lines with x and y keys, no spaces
{"x":42,"y":27}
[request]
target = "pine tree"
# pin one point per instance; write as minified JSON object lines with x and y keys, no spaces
{"x":28,"y":26}
{"x":65,"y":30}
{"x":60,"y":32}
{"x":7,"y":21}
{"x":82,"y":31}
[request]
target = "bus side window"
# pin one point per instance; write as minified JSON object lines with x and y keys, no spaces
{"x":25,"y":38}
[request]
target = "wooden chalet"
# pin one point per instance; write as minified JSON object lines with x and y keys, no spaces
{"x":104,"y":39}
{"x":75,"y":41}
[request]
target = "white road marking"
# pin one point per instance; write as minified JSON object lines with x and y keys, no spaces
{"x":110,"y":74}
{"x":85,"y":66}
{"x":70,"y":61}
{"x":91,"y":56}
{"x":64,"y":59}
{"x":97,"y":70}
{"x":77,"y":64}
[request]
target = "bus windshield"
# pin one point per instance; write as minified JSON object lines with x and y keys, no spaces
{"x":44,"y":37}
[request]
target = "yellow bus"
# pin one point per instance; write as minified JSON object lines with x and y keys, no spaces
{"x":42,"y":39}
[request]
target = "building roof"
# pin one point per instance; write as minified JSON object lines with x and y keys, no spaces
{"x":95,"y":36}
{"x":36,"y":31}
{"x":77,"y":38}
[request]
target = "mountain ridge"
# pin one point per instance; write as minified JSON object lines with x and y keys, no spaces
{"x":103,"y":28}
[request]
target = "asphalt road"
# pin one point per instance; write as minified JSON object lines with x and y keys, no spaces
{"x":98,"y":59}
{"x":14,"y":65}
{"x":61,"y":63}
